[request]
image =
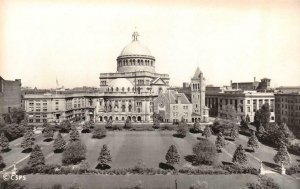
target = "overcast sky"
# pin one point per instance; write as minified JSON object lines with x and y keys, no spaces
{"x":74,"y":41}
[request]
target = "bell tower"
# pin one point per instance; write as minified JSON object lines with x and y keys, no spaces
{"x":198,"y":93}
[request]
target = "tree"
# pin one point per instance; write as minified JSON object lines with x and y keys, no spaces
{"x":99,"y":132}
{"x":230,"y":112}
{"x":172,"y":155}
{"x":128,"y":124}
{"x":27,"y":142}
{"x":108,"y":124}
{"x":205,"y":152}
{"x":234,"y":133}
{"x":104,"y":156}
{"x":84,"y":165}
{"x":74,"y":134}
{"x":4,"y":143}
{"x":156,"y":123}
{"x":65,"y":126}
{"x":239,"y":156}
{"x":282,"y":156}
{"x":59,"y":143}
{"x":196,"y":127}
{"x":182,"y":129}
{"x":86,"y":127}
{"x":253,"y":142}
{"x":16,"y":115}
{"x":220,"y":141}
{"x":206,"y":132}
{"x":247,"y":119}
{"x":74,"y":153}
{"x":284,"y":135}
{"x":14,"y":131}
{"x":48,"y":132}
{"x":265,"y":115}
{"x":36,"y":157}
{"x":91,"y":123}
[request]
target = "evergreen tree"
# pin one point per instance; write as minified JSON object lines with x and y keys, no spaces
{"x":196,"y":127}
{"x":284,"y":135}
{"x":182,"y":129}
{"x":206,"y":132}
{"x":27,"y":142}
{"x":261,"y":131}
{"x":234,"y":133}
{"x":86,"y":127}
{"x":4,"y":143}
{"x":220,"y":141}
{"x":104,"y":156}
{"x":91,"y":124}
{"x":59,"y":143}
{"x":74,"y":153}
{"x":253,"y":142}
{"x":74,"y":134}
{"x":108,"y":124}
{"x":240,"y":156}
{"x":48,"y":132}
{"x":65,"y":126}
{"x":247,"y":119}
{"x":265,"y":115}
{"x":156,"y":123}
{"x":36,"y":157}
{"x":172,"y":155}
{"x":99,"y":132}
{"x":205,"y":152}
{"x":282,"y":156}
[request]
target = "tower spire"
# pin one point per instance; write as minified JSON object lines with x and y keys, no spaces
{"x":135,"y":35}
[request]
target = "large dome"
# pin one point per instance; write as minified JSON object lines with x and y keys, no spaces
{"x":135,"y":48}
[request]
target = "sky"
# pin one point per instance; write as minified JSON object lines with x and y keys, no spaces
{"x":74,"y":41}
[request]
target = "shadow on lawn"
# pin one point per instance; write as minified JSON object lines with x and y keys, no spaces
{"x":227,"y":163}
{"x":249,"y":150}
{"x":229,"y":139}
{"x":178,"y":135}
{"x":6,"y":150}
{"x":102,"y":166}
{"x":56,"y":151}
{"x":48,"y":140}
{"x":165,"y":166}
{"x":28,"y":150}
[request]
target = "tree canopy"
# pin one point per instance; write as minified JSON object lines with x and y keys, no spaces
{"x":172,"y":156}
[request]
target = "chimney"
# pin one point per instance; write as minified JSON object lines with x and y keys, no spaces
{"x":230,"y":82}
{"x":254,"y":79}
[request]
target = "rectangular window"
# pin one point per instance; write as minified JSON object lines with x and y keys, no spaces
{"x":248,"y":101}
{"x":44,"y":109}
{"x":248,"y":109}
{"x":37,"y":109}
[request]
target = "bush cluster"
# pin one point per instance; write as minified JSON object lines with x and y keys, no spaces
{"x":293,"y":170}
{"x":236,"y":169}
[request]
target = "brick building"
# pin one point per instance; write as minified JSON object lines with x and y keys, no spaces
{"x":10,"y":95}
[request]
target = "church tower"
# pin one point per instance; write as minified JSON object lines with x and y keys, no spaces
{"x":198,"y":94}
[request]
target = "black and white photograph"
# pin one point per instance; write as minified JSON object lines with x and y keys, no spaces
{"x":149,"y":94}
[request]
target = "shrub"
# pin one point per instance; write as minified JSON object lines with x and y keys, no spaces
{"x":181,"y":130}
{"x":108,"y":124}
{"x":104,"y":156}
{"x":200,"y":185}
{"x":4,"y":143}
{"x":196,"y":127}
{"x":59,"y":143}
{"x":2,"y":164}
{"x":74,"y":134}
{"x":206,"y":132}
{"x":282,"y":156}
{"x":264,"y":182}
{"x":172,"y":155}
{"x":253,"y":142}
{"x":205,"y":152}
{"x":234,"y":133}
{"x":48,"y":132}
{"x":220,"y":141}
{"x":156,"y":124}
{"x":65,"y":126}
{"x":240,"y":156}
{"x":36,"y":157}
{"x":99,"y":132}
{"x":86,"y":128}
{"x":27,"y":142}
{"x":74,"y":153}
{"x":237,"y":169}
{"x":13,"y":131}
{"x":293,"y":170}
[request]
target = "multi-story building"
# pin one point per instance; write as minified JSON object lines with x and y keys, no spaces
{"x":287,"y":109}
{"x":173,"y":107}
{"x":126,"y":94}
{"x":244,"y":102}
{"x":10,"y":95}
{"x":262,"y":86}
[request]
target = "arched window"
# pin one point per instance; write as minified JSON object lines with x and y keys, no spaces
{"x":129,"y":108}
{"x":138,"y":60}
{"x":112,"y":89}
{"x":123,"y":89}
{"x":117,"y":89}
{"x":128,"y":89}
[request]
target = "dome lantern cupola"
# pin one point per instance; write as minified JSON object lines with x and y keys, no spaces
{"x":135,"y":57}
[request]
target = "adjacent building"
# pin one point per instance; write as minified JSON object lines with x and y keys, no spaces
{"x":261,"y":86}
{"x":287,"y":109}
{"x":244,"y":103}
{"x":173,"y":107}
{"x":10,"y":95}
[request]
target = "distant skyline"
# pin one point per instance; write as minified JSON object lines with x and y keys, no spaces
{"x":75,"y":41}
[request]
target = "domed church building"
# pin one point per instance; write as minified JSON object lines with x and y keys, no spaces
{"x":129,"y":92}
